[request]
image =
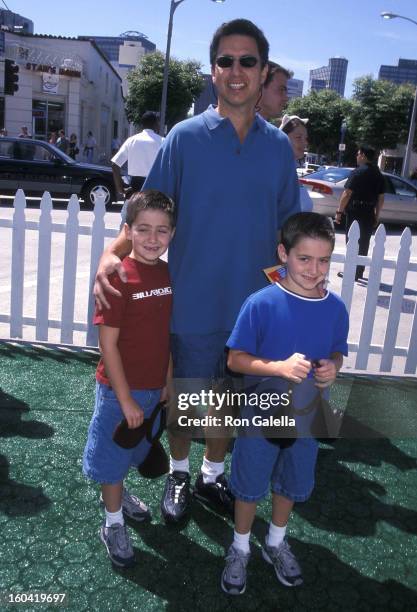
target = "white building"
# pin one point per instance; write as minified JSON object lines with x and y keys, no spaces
{"x":64,"y":83}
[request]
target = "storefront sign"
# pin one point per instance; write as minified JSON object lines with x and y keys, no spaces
{"x":50,"y":83}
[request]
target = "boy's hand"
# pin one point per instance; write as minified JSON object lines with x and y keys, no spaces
{"x":325,"y":374}
{"x":108,"y":264}
{"x":133,"y":413}
{"x":295,"y":368}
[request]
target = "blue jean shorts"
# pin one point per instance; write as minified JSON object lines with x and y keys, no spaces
{"x":258,"y":465}
{"x":199,"y":355}
{"x":105,"y":461}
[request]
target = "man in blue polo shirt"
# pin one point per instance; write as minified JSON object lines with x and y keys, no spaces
{"x":232,"y":177}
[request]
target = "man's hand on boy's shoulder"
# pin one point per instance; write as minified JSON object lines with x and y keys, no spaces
{"x":325,"y":373}
{"x":133,"y":413}
{"x":109,"y":263}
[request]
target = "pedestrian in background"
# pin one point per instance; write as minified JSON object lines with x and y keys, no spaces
{"x":296,"y":130}
{"x":362,"y":200}
{"x":89,"y":147}
{"x":3,"y":132}
{"x":24,"y":132}
{"x":62,"y":143}
{"x":139,"y":151}
{"x":274,"y":92}
{"x":52,"y":138}
{"x":73,"y":149}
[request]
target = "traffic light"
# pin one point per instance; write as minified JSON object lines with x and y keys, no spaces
{"x":11,"y":77}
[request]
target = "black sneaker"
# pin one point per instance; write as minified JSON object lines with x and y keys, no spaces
{"x":215,"y":494}
{"x":176,"y":497}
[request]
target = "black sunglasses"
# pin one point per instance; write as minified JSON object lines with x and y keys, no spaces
{"x":246,"y":61}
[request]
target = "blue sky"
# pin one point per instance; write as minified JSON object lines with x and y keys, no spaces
{"x":302,"y":34}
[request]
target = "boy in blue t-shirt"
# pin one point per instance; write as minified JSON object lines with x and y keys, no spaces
{"x":289,"y":337}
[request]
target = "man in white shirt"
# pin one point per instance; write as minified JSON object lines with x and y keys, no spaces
{"x":139,"y":151}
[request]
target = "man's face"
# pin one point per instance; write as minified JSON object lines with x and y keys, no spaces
{"x":238,"y":87}
{"x":274,"y":97}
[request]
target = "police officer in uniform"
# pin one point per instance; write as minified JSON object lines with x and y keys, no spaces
{"x":362,"y":200}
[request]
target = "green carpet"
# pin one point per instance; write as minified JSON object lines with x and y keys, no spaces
{"x":356,"y":538}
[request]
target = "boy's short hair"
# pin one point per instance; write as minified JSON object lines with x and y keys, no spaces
{"x":150,"y":199}
{"x":240,"y":27}
{"x":306,"y":225}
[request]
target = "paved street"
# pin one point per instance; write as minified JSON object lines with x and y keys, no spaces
{"x":113,"y":220}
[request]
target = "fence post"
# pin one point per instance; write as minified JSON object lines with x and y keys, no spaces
{"x":349,"y":268}
{"x":44,"y":268}
{"x":397,"y":294}
{"x":70,"y":271}
{"x":371,"y":299}
{"x":18,"y":266}
{"x":97,"y":247}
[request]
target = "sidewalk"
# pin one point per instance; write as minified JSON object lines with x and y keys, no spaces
{"x":356,"y":538}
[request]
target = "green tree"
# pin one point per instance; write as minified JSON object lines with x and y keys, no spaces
{"x":380,"y":112}
{"x":325,"y":110}
{"x":185,"y":84}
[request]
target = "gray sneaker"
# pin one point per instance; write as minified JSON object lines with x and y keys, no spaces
{"x":117,"y":542}
{"x":133,"y":507}
{"x":234,"y":574}
{"x":285,"y":564}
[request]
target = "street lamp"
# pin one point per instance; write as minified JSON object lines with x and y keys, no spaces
{"x":409,"y":148}
{"x":174,"y":5}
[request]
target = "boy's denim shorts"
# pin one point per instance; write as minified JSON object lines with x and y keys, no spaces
{"x":105,"y":461}
{"x":258,"y":465}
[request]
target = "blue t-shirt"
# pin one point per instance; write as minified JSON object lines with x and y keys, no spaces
{"x":275,"y":323}
{"x":231,"y":199}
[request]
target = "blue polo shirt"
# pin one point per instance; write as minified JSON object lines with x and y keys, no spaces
{"x":231,"y":199}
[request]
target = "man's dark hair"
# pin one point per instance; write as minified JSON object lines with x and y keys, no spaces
{"x":273,"y":69}
{"x":150,"y":199}
{"x":150,"y":120}
{"x":368,"y":151}
{"x":240,"y":27}
{"x":306,"y":225}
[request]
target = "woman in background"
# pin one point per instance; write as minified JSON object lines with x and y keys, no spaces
{"x":296,"y":131}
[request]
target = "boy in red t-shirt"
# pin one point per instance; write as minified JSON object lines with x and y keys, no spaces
{"x":132,"y":372}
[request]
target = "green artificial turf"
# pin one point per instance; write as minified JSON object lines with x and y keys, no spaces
{"x":356,"y":538}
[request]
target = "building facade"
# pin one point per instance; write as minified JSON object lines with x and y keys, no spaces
{"x":123,"y":52}
{"x":15,"y":23}
{"x":64,"y":83}
{"x":332,"y":76}
{"x":405,"y":72}
{"x":295,"y":88}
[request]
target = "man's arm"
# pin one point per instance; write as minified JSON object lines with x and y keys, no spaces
{"x":117,"y":179}
{"x":295,"y":368}
{"x":344,"y":201}
{"x":108,"y":337}
{"x":378,"y":208}
{"x":111,"y":261}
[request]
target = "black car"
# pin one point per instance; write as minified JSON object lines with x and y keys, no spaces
{"x":36,"y":166}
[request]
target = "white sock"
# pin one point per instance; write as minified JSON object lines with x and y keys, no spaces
{"x":241,"y":541}
{"x":179,"y":466}
{"x":114,"y":517}
{"x":275,"y":535}
{"x":211,"y":469}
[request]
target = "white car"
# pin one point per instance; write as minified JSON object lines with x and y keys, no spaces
{"x":326,"y":186}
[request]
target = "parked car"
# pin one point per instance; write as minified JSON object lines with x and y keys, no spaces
{"x":307,"y":169}
{"x":326,"y":186}
{"x":36,"y":166}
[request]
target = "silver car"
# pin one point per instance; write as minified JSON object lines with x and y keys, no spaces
{"x":326,"y":186}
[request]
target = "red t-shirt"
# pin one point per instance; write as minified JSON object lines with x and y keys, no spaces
{"x":143,"y":315}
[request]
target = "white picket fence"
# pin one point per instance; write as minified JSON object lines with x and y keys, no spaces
{"x":19,"y":321}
